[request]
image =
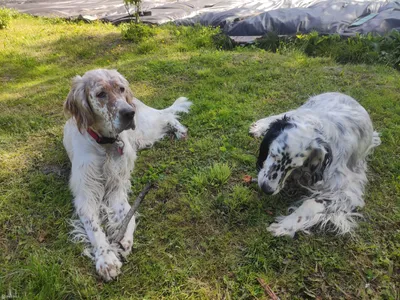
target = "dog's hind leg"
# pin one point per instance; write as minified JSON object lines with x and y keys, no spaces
{"x":260,"y":127}
{"x":376,"y":141}
{"x":153,"y":124}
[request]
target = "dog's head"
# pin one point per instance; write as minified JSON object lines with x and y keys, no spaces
{"x":101,"y":99}
{"x":288,"y":146}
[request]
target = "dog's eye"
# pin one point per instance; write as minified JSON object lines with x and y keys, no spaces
{"x":101,"y":95}
{"x":122,"y":89}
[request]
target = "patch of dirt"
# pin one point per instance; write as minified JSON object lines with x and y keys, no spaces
{"x":60,"y":171}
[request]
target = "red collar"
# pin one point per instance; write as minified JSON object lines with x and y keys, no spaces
{"x":105,"y":140}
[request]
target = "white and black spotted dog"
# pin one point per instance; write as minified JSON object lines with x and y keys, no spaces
{"x":108,"y":126}
{"x":323,"y":146}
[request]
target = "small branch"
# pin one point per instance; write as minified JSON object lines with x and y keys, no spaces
{"x":248,"y":179}
{"x":267,"y":289}
{"x":124,"y":224}
{"x":127,"y":9}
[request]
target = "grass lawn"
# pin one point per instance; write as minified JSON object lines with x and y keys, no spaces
{"x":202,"y":233}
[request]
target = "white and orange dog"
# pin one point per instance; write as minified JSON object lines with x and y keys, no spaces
{"x":106,"y":129}
{"x":323,"y":145}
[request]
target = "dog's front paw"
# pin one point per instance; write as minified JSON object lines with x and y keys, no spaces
{"x":108,"y":265}
{"x":279,"y":229}
{"x":125,"y":247}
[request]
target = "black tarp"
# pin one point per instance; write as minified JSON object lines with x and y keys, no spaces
{"x":326,"y":17}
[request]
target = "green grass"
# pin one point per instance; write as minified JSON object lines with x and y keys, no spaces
{"x":370,"y":48}
{"x":203,"y":232}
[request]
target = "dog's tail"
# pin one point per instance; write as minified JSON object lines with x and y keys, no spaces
{"x":181,"y":105}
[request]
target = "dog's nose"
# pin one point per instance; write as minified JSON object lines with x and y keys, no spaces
{"x":127,"y":113}
{"x":267,"y":189}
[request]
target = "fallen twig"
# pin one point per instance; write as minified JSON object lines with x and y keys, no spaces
{"x":248,"y":179}
{"x":124,"y":224}
{"x":267,"y":289}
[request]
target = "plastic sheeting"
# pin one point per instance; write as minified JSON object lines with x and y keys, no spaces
{"x":92,"y":9}
{"x":161,"y":10}
{"x":326,"y":17}
{"x":244,"y":20}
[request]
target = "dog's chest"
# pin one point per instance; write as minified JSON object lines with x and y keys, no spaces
{"x":118,"y":164}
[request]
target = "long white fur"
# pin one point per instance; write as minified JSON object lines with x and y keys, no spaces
{"x":100,"y":180}
{"x":334,"y":199}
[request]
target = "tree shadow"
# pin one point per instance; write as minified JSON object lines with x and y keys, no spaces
{"x":78,"y":50}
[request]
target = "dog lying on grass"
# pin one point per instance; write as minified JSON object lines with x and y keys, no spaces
{"x":108,"y":126}
{"x":323,"y":145}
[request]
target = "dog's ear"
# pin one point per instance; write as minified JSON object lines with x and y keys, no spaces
{"x":319,"y":159}
{"x":77,"y":104}
{"x":273,"y":131}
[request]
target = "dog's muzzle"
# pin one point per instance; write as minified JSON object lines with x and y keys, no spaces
{"x":127,"y":116}
{"x":266,"y":189}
